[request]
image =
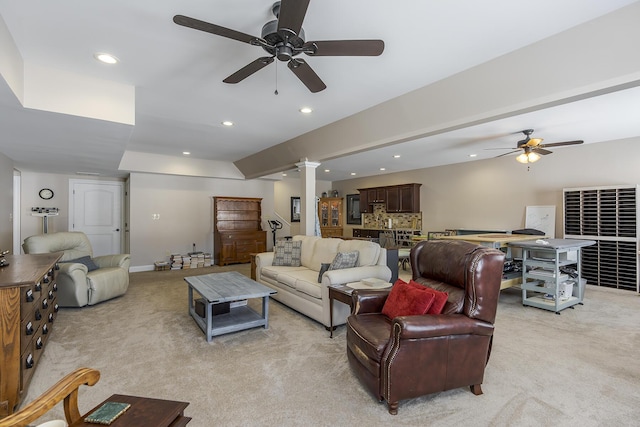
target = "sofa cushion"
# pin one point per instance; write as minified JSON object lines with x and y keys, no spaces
{"x":85,"y":260}
{"x":324,"y":251}
{"x":368,"y":252}
{"x":308,"y":285}
{"x":273,"y":271}
{"x":287,"y":253}
{"x":302,"y":280}
{"x":406,"y":300}
{"x":344,"y":260}
{"x":308,"y":243}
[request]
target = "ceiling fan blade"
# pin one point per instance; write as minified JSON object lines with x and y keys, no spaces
{"x":559,"y":144}
{"x":344,"y":48}
{"x":510,"y":152}
{"x":291,"y":15}
{"x":249,"y":69}
{"x":185,"y":21}
{"x":306,"y":75}
{"x":541,"y":151}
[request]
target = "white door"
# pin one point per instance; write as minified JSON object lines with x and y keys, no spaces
{"x":95,"y":208}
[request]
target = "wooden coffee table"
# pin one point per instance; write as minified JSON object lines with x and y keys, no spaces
{"x":144,"y":411}
{"x":217,"y":288}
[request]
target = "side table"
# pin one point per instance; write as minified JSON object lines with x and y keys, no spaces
{"x":144,"y":411}
{"x":340,"y":293}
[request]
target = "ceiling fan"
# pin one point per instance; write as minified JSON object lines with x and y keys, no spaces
{"x":284,"y":39}
{"x":532,"y":148}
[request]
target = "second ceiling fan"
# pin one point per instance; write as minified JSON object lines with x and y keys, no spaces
{"x":532,"y":147}
{"x":284,"y":39}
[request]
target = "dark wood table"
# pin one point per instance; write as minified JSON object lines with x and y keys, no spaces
{"x":144,"y":411}
{"x":340,"y":293}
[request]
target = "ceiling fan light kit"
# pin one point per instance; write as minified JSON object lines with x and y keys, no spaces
{"x":283,"y":39}
{"x":533,"y":148}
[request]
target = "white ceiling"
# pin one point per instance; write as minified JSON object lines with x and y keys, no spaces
{"x":180,"y":99}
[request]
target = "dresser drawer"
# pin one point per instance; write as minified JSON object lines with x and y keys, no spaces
{"x":27,"y":365}
{"x":29,"y":326}
{"x":28,"y":297}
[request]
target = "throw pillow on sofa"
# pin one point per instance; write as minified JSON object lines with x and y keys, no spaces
{"x":323,"y":268}
{"x":287,"y":253}
{"x":86,"y":260}
{"x":406,"y":300}
{"x":344,"y":260}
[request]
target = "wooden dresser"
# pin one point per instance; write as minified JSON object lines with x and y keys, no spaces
{"x":28,"y":309}
{"x":237,"y":229}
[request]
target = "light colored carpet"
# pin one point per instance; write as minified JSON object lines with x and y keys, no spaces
{"x":580,"y":368}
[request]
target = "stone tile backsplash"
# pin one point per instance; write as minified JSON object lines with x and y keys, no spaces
{"x":380,"y":219}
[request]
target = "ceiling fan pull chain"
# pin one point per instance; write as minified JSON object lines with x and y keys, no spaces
{"x":276,"y":91}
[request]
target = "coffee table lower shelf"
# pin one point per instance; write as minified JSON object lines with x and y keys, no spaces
{"x":238,"y":319}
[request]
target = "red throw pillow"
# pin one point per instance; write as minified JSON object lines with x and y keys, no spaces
{"x":405,"y":300}
{"x":440,"y":297}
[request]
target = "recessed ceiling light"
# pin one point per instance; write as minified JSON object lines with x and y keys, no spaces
{"x":284,"y":174}
{"x":227,"y":123}
{"x":396,"y":156}
{"x":383,"y":169}
{"x":186,"y":153}
{"x":106,"y":58}
{"x":353,"y":173}
{"x":327,"y":170}
{"x":306,"y":110}
{"x":472,"y":155}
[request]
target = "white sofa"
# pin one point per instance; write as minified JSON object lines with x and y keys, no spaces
{"x":298,"y":287}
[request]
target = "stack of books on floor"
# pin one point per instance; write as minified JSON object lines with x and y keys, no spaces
{"x":161,"y":265}
{"x":178,"y":262}
{"x":186,"y":262}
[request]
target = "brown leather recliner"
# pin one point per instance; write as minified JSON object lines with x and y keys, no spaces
{"x":411,"y":356}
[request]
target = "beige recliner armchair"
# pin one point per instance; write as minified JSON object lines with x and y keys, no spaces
{"x":77,"y":286}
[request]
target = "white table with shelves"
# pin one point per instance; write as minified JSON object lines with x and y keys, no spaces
{"x":542,"y":261}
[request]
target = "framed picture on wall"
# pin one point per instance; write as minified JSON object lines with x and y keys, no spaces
{"x":353,"y":209}
{"x":295,"y":209}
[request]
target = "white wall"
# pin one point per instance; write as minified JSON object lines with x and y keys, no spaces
{"x":283,"y":191}
{"x":6,"y":203}
{"x":185,"y":208}
{"x":493,"y":194}
{"x":32,"y":183}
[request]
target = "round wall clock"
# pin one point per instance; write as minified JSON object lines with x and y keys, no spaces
{"x":46,"y":194}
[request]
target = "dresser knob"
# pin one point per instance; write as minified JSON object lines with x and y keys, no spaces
{"x":55,"y":287}
{"x":39,"y":343}
{"x":46,"y":279}
{"x":45,"y":304}
{"x":28,"y":329}
{"x":38,"y":287}
{"x":38,"y":314}
{"x":51,"y":318}
{"x":45,"y":330}
{"x":29,"y":361}
{"x":50,"y":295}
{"x":29,"y":295}
{"x":57,"y":267}
{"x":56,"y":308}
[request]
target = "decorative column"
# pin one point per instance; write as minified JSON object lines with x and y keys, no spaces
{"x":308,"y":196}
